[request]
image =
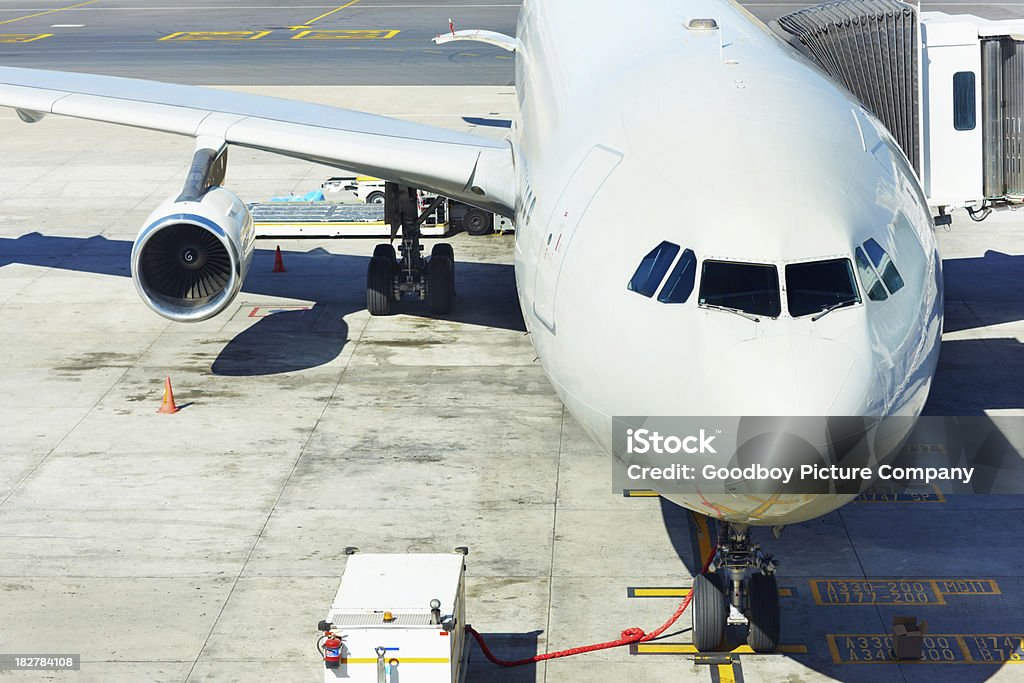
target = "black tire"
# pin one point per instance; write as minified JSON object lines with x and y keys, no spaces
{"x":440,"y":285}
{"x":444,"y":250}
{"x":478,"y":222}
{"x":386,"y":251}
{"x":379,"y":286}
{"x":375,"y":197}
{"x":764,"y":613}
{"x":709,"y":610}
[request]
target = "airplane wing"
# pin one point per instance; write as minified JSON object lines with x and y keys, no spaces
{"x":466,"y":167}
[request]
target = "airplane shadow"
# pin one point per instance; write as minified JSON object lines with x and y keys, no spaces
{"x":289,"y":340}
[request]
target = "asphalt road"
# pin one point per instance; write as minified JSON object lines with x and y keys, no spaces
{"x":302,"y":42}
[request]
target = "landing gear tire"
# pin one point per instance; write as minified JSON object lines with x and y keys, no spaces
{"x":764,"y":613}
{"x":379,"y":285}
{"x":444,"y":250}
{"x":476,"y":222}
{"x":440,"y":285}
{"x":709,"y":611}
{"x":385,"y":250}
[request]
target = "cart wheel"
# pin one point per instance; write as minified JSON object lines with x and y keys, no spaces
{"x":477,"y":222}
{"x":376,"y":197}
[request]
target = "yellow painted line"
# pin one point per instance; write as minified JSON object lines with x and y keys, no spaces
{"x":400,"y":660}
{"x":725,"y":674}
{"x":681,"y":592}
{"x":688,"y":649}
{"x":703,"y":536}
{"x":215,"y":35}
{"x":639,"y":493}
{"x":49,"y":11}
{"x":21,"y":38}
{"x":347,"y":34}
{"x":325,"y":14}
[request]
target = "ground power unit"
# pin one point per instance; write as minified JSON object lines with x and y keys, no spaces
{"x":397,"y":618}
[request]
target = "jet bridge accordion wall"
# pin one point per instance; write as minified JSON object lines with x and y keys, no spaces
{"x":871,"y":47}
{"x":1002,"y":114}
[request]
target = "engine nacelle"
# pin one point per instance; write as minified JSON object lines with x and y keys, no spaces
{"x":191,"y":257}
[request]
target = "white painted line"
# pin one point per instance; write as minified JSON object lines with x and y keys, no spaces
{"x":68,"y":26}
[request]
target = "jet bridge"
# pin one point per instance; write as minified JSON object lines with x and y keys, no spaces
{"x":950,"y":89}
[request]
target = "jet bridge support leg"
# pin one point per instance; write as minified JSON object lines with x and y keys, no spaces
{"x":391,"y":276}
{"x":739,"y":587}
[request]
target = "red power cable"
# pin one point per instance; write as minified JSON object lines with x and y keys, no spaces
{"x":628,"y":637}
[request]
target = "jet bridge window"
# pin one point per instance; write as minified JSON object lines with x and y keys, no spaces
{"x":680,"y":282}
{"x":820,"y":285}
{"x":884,"y":265}
{"x":964,"y":101}
{"x":749,"y":287}
{"x":653,"y":268}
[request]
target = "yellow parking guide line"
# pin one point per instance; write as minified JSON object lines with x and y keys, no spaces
{"x":688,"y":649}
{"x":49,"y":11}
{"x":726,"y":673}
{"x":215,"y":35}
{"x":347,"y":34}
{"x":21,"y":38}
{"x":322,"y":16}
{"x":703,"y":535}
{"x":677,"y":592}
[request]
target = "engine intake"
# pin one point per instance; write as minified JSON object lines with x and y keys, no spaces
{"x":191,"y":257}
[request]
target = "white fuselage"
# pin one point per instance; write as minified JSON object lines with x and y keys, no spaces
{"x":633,"y":130}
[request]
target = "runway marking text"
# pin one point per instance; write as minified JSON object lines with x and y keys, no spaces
{"x":938,"y":648}
{"x":896,"y":591}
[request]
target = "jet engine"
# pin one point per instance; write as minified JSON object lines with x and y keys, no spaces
{"x":192,"y":255}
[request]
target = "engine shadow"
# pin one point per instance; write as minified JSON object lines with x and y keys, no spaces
{"x":289,"y":340}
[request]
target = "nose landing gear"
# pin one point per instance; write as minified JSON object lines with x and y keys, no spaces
{"x":739,"y":588}
{"x":389,"y":277}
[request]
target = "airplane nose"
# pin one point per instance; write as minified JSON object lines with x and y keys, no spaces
{"x":787,"y":375}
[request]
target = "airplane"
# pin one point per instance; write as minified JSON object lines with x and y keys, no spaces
{"x":791,"y":269}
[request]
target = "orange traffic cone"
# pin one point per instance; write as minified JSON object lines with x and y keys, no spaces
{"x":168,"y":406}
{"x":278,"y":262}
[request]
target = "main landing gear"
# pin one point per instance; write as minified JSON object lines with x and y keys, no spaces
{"x":739,"y":588}
{"x":391,"y":275}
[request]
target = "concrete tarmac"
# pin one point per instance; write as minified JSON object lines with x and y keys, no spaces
{"x":206,"y":545}
{"x":294,"y":42}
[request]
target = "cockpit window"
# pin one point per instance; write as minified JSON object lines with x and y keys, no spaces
{"x":872,"y":285}
{"x":653,"y":268}
{"x":748,"y":287}
{"x":819,"y":286}
{"x":884,"y":265}
{"x":680,"y":282}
